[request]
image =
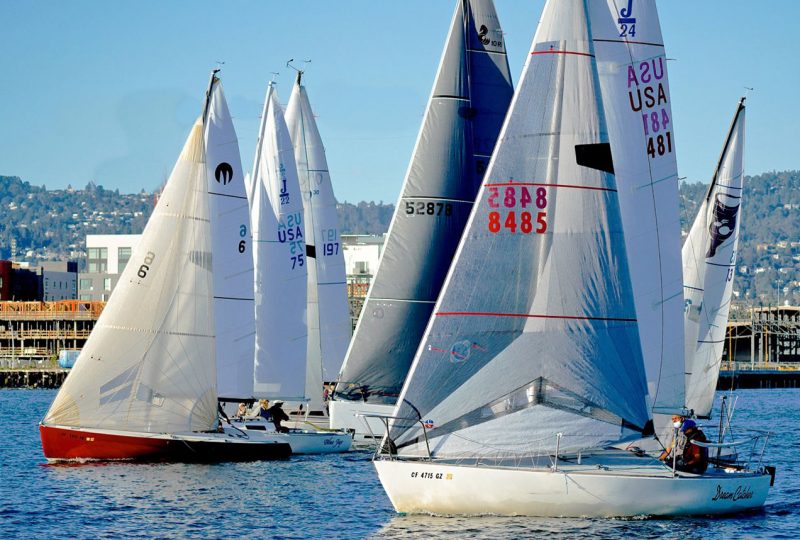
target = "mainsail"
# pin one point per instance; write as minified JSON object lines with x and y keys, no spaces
{"x":231,"y":245}
{"x":709,"y":263}
{"x":329,"y":325}
{"x":464,"y":115}
{"x":280,"y":261}
{"x":632,"y":68}
{"x":148,"y":365}
{"x":534,"y":342}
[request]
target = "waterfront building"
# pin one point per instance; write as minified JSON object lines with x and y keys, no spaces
{"x":107,"y":256}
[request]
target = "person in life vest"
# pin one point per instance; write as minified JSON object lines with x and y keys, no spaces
{"x":676,"y":444}
{"x":694,"y":458}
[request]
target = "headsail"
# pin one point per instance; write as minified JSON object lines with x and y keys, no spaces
{"x":148,"y":365}
{"x":535,"y":331}
{"x":466,"y":109}
{"x":329,"y":326}
{"x":231,"y":245}
{"x":633,"y":77}
{"x":709,"y":263}
{"x":280,"y":261}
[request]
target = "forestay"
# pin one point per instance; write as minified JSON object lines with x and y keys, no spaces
{"x":280,"y":261}
{"x":709,"y":263}
{"x":637,"y":104}
{"x":232,"y":251}
{"x":329,"y":325}
{"x":535,"y":332}
{"x":468,"y":102}
{"x":148,"y":365}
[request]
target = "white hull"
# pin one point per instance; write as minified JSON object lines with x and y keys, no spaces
{"x":301,"y":441}
{"x":581,"y":491}
{"x":343,"y":416}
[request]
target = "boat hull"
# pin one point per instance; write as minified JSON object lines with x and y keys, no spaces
{"x":427,"y":487}
{"x":76,"y":444}
{"x":343,"y":416}
{"x":301,"y":441}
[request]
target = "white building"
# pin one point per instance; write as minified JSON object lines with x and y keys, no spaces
{"x":107,"y":256}
{"x":362,"y":252}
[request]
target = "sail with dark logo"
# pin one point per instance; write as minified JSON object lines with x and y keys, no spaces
{"x":465,"y":112}
{"x":233,"y":256}
{"x":709,"y":266}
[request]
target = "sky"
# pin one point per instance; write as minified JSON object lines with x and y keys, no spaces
{"x":92,"y":90}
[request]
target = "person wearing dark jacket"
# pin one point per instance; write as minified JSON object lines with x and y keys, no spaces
{"x":278,"y":415}
{"x":694,"y":458}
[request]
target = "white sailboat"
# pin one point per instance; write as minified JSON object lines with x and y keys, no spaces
{"x":532,"y":366}
{"x":468,"y":102}
{"x":145,"y":384}
{"x":328,"y":316}
{"x":709,"y":263}
{"x":279,"y":255}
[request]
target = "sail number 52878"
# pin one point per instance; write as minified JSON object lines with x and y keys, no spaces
{"x":511,"y":198}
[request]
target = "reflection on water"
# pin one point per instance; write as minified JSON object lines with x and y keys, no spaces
{"x":331,"y":497}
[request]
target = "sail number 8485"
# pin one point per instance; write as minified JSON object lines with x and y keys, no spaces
{"x":511,"y":198}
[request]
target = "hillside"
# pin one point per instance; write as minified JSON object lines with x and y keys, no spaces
{"x":53,"y":224}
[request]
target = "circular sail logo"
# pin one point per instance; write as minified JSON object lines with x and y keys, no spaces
{"x":224,"y":173}
{"x":482,"y":35}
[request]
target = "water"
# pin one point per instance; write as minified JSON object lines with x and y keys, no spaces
{"x":330,"y":497}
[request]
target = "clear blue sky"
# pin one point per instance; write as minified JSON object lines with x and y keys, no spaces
{"x":106,"y":91}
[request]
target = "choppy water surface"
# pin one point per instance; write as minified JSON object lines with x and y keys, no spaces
{"x":335,"y":496}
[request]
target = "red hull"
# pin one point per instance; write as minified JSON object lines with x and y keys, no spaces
{"x":72,"y":444}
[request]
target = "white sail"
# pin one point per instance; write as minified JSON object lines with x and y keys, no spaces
{"x":148,"y":365}
{"x":232,"y":251}
{"x":329,"y":325}
{"x":636,"y":99}
{"x":468,"y":102}
{"x":280,"y":262}
{"x":709,"y":263}
{"x":535,"y":331}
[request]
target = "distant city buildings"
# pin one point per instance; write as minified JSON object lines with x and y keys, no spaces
{"x":51,"y":281}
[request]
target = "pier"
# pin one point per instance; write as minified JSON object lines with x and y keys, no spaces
{"x":33,"y":333}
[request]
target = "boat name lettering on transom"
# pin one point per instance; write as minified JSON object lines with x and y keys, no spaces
{"x":421,"y":208}
{"x":740,"y":493}
{"x":530,"y":199}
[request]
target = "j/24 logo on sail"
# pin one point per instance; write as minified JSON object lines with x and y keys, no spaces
{"x":626,"y":21}
{"x":723,"y":222}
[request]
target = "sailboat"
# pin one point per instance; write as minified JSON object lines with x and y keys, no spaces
{"x":145,"y":384}
{"x":709,"y":262}
{"x":328,"y":314}
{"x":468,"y":102}
{"x":279,"y":257}
{"x":532,"y":367}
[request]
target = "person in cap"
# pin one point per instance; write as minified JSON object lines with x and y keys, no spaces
{"x":677,"y":443}
{"x":694,"y":458}
{"x":278,"y":415}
